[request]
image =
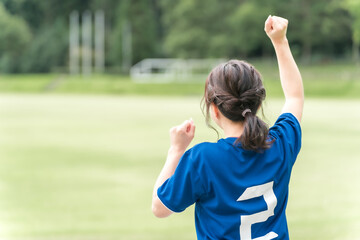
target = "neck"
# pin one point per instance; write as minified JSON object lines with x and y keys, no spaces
{"x":232,"y":129}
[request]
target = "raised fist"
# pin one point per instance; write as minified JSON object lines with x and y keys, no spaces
{"x":275,"y":28}
{"x":182,"y":135}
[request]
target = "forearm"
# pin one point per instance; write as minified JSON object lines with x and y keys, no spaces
{"x":180,"y":138}
{"x":290,"y":76}
{"x":290,"y":79}
{"x":168,"y":170}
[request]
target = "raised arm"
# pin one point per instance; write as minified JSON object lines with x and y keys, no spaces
{"x":290,"y":77}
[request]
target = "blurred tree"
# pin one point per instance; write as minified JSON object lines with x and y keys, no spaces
{"x":334,"y":31}
{"x":195,"y":29}
{"x":353,"y":6}
{"x":38,"y":13}
{"x":141,"y":15}
{"x":248,"y":37}
{"x":14,"y":37}
{"x":49,"y":49}
{"x":178,"y":28}
{"x":31,"y":11}
{"x":323,"y":26}
{"x":55,"y":9}
{"x":213,"y":29}
{"x":48,"y":22}
{"x":316,"y":27}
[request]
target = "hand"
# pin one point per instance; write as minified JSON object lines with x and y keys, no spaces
{"x":275,"y":28}
{"x":182,"y":135}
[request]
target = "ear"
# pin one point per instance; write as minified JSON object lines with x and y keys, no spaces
{"x":216,"y":115}
{"x":215,"y":110}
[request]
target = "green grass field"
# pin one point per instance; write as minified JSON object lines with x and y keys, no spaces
{"x":321,"y":80}
{"x":83,"y":167}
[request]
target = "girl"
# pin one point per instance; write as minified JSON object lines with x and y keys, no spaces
{"x":240,"y":184}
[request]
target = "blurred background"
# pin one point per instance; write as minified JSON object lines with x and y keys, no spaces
{"x":319,"y":31}
{"x":90,"y":88}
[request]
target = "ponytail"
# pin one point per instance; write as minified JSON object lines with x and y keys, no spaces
{"x":255,"y":134}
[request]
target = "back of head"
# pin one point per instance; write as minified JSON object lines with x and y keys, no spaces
{"x":236,"y":89}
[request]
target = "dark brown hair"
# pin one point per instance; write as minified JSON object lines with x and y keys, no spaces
{"x":236,"y":89}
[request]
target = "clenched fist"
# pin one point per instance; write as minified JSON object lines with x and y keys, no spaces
{"x":182,"y":135}
{"x":275,"y":28}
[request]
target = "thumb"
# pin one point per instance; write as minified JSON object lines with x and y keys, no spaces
{"x":191,"y":128}
{"x":268,"y":24}
{"x":185,"y":125}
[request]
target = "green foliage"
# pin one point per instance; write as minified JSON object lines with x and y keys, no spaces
{"x":48,"y":50}
{"x":248,"y":36}
{"x":35,"y":29}
{"x":235,"y":28}
{"x":197,"y":29}
{"x":145,"y":42}
{"x":14,"y":37}
{"x":353,"y":6}
{"x":325,"y":29}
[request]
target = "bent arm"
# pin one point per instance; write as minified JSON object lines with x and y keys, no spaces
{"x":180,"y":138}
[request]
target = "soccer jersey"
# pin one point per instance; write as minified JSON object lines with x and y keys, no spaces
{"x":238,"y":194}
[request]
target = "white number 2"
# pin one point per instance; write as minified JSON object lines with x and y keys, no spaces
{"x":267,"y":191}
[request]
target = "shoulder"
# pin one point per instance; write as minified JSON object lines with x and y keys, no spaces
{"x":286,"y":133}
{"x":203,"y":146}
{"x":285,"y":124}
{"x":203,"y":153}
{"x":201,"y":149}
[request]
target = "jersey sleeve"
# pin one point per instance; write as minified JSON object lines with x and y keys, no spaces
{"x":287,"y":132}
{"x":183,"y":188}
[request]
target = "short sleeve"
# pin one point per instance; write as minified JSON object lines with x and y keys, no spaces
{"x":287,"y":132}
{"x":184,"y":188}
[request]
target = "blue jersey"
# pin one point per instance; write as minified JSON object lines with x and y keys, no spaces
{"x":238,"y":194}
